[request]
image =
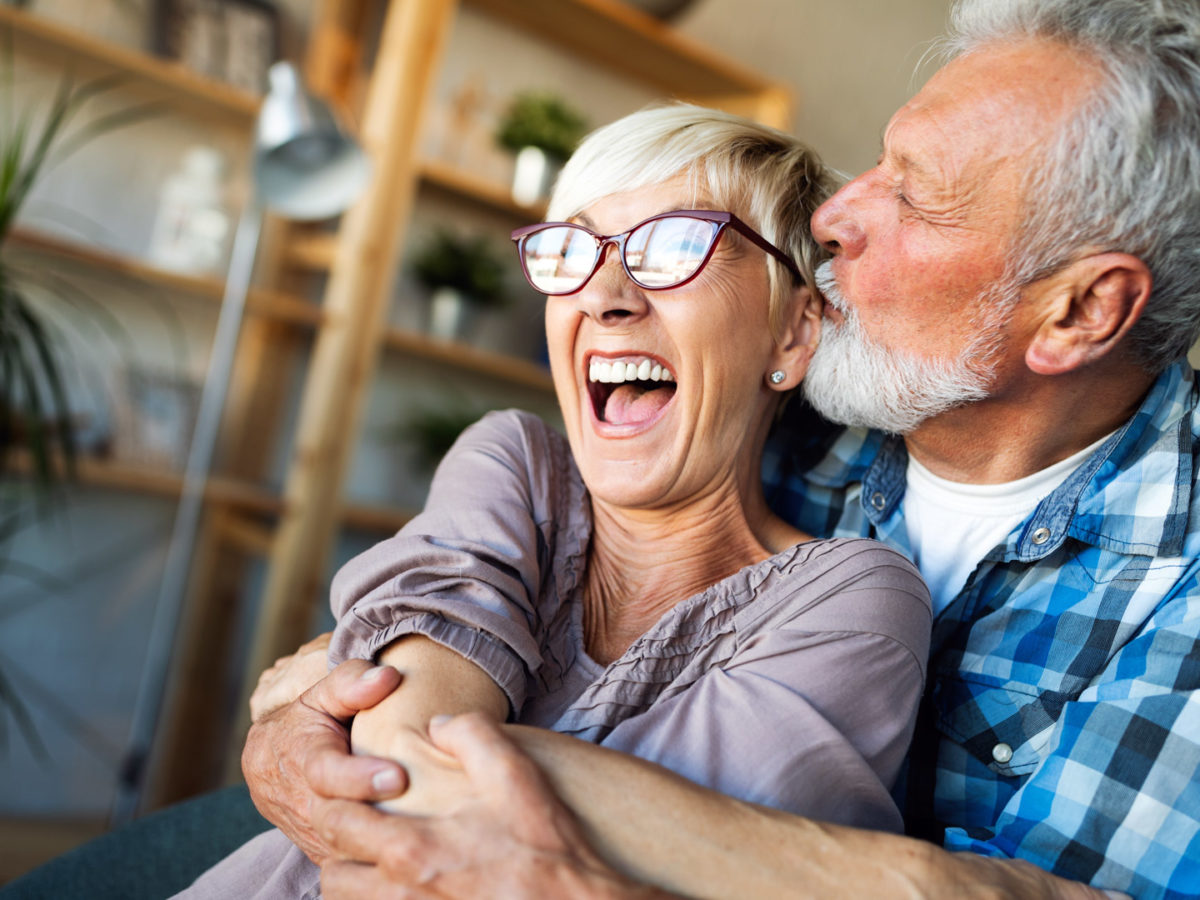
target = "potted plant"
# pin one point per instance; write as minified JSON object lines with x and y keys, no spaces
{"x":542,"y":131}
{"x":35,"y":412}
{"x":463,"y":274}
{"x":33,"y":404}
{"x":432,"y":430}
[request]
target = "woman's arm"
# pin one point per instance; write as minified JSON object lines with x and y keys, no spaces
{"x":434,"y":681}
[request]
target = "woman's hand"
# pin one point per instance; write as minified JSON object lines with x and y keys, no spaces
{"x":290,"y":677}
{"x":436,"y":781}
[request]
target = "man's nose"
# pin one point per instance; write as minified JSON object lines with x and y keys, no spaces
{"x":837,"y":222}
{"x":610,"y":297}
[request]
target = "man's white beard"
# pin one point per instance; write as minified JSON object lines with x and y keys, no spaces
{"x":855,"y":380}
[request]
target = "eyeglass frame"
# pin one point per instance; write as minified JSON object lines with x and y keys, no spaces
{"x":721,"y":218}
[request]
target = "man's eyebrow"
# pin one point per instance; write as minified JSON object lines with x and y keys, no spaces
{"x":910,"y":163}
{"x":905,"y":162}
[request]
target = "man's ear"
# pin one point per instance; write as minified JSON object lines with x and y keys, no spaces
{"x":798,"y":338}
{"x":1089,"y":307}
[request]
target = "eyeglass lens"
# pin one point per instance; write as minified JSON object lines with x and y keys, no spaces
{"x":658,"y":254}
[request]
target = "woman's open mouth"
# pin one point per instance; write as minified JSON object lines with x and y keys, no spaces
{"x":629,"y":390}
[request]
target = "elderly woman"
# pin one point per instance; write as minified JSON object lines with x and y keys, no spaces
{"x":628,"y":585}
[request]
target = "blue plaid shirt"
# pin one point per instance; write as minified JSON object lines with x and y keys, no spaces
{"x":1062,"y":719}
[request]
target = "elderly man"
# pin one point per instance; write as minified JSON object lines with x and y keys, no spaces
{"x":1013,"y":288}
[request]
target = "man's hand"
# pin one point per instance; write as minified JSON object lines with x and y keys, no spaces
{"x":301,"y":753}
{"x":510,"y":838}
{"x":290,"y":677}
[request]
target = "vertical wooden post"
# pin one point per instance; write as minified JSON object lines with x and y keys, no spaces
{"x":348,"y":342}
{"x":334,"y":61}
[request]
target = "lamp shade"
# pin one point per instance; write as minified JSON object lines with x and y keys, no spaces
{"x":305,"y":166}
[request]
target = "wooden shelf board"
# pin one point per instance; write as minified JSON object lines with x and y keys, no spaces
{"x":244,"y":498}
{"x":313,"y":252}
{"x":252,"y":536}
{"x":464,"y":356}
{"x":170,"y":80}
{"x":631,"y":43}
{"x":123,"y":475}
{"x":273,"y":304}
{"x":369,"y":517}
{"x":455,"y":180}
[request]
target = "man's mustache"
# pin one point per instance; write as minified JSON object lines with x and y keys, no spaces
{"x":827,"y":285}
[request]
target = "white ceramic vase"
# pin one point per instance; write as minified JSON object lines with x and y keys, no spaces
{"x":533,"y":175}
{"x":451,"y":314}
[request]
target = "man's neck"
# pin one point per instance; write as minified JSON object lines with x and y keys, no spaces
{"x":1015,"y":434}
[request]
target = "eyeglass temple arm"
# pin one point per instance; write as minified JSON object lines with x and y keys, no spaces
{"x":766,"y":246}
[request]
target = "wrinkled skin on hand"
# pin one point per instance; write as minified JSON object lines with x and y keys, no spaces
{"x":300,"y":753}
{"x":290,"y":677}
{"x":509,"y":837}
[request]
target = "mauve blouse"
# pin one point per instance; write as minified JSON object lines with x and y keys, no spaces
{"x":793,"y":683}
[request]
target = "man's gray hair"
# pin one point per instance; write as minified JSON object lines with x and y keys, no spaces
{"x":1124,"y":175}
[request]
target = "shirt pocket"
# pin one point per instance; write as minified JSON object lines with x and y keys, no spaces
{"x":1004,"y":725}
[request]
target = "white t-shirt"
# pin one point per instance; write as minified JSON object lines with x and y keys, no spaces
{"x":952,"y":525}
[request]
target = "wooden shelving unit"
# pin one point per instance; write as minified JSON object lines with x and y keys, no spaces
{"x":281,"y":307}
{"x":239,"y":496}
{"x":315,"y":250}
{"x":273,"y":304}
{"x":622,"y":39}
{"x":163,"y":79}
{"x":467,"y":185}
{"x":464,"y":356}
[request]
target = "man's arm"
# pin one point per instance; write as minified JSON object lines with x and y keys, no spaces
{"x":300,"y":752}
{"x":643,"y":822}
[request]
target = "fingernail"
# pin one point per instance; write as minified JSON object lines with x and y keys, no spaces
{"x":439,"y":721}
{"x":386,"y":781}
{"x":372,"y":674}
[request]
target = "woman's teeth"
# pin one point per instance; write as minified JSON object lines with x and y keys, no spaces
{"x":620,"y":371}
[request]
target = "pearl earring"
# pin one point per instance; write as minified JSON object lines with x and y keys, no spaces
{"x":777,"y":376}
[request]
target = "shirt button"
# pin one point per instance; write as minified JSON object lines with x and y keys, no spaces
{"x":1041,"y":536}
{"x":878,"y":500}
{"x":1002,"y":753}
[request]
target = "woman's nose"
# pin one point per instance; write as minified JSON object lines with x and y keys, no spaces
{"x":838,"y":224}
{"x":610,"y":297}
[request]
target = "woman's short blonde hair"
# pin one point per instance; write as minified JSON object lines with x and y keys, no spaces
{"x":765,"y":176}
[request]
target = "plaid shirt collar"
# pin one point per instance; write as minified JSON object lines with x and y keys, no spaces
{"x":1154,"y":490}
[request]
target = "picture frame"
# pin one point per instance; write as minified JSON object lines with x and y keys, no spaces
{"x":232,"y":41}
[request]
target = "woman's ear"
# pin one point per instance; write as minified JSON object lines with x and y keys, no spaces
{"x":797,"y":340}
{"x":1090,"y":307}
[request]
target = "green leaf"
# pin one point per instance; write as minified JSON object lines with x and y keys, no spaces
{"x":60,"y":409}
{"x":33,"y":394}
{"x":94,"y":320}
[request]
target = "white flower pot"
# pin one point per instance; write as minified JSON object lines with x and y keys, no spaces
{"x":451,"y":314}
{"x":533,"y":175}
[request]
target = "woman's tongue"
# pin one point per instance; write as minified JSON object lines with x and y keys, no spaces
{"x":630,"y":404}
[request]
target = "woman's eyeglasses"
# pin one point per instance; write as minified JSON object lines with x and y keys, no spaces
{"x":665,"y":251}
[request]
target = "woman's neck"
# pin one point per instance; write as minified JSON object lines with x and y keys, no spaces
{"x":643,"y":563}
